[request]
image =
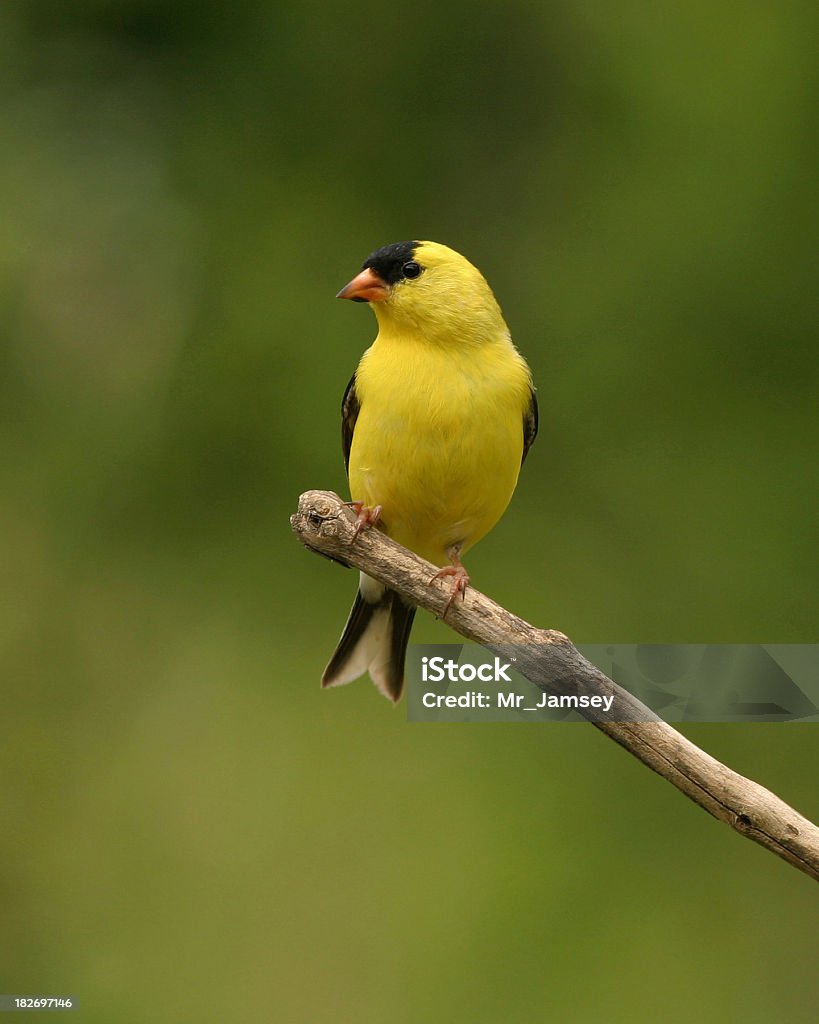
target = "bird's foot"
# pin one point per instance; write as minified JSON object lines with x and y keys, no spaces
{"x":460,"y":578}
{"x":365,"y":516}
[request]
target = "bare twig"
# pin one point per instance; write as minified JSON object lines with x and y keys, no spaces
{"x":325,"y":525}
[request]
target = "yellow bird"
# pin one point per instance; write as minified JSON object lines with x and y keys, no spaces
{"x":436,"y":424}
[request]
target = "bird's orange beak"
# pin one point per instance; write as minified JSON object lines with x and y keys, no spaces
{"x":365,"y":287}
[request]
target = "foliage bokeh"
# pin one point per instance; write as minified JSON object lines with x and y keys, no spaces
{"x":193,"y":830}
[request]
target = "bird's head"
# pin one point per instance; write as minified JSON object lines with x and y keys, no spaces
{"x":428,"y":288}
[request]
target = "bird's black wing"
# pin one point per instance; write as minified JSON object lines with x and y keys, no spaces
{"x":529,"y":426}
{"x":349,"y":414}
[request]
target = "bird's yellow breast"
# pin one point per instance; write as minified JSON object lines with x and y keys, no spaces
{"x":439,"y":438}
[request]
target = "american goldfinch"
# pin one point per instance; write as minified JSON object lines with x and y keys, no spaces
{"x":436,"y":423}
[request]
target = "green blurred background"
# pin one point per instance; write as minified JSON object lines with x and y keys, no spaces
{"x":192,"y":830}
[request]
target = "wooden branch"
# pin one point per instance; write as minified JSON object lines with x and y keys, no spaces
{"x":326,"y":525}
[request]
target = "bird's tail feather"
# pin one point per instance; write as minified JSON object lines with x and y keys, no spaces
{"x":374,"y":640}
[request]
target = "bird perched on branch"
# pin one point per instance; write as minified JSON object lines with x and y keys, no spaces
{"x":435,"y":426}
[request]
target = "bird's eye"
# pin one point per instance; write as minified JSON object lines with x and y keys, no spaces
{"x":411,"y":269}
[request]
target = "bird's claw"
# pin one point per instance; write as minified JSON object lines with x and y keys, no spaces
{"x":460,"y":581}
{"x":365,"y":516}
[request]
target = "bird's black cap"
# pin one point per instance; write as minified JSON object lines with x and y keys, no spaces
{"x":388,"y":261}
